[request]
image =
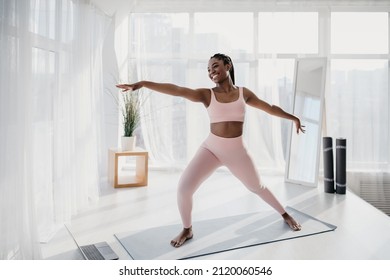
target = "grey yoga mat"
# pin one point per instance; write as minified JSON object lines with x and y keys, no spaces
{"x":341,"y":165}
{"x":218,"y":235}
{"x":327,"y":146}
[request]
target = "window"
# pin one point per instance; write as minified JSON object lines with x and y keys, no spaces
{"x":359,"y":33}
{"x":43,"y":21}
{"x":359,"y":91}
{"x":360,"y":105}
{"x":223,"y":32}
{"x":162,"y":34}
{"x":277,"y":76}
{"x":288,"y":32}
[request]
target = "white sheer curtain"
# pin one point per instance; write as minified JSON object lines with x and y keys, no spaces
{"x":50,"y":118}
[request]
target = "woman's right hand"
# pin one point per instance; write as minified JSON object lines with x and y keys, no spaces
{"x":126,"y":87}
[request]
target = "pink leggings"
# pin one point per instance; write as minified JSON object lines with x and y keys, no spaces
{"x":213,"y":153}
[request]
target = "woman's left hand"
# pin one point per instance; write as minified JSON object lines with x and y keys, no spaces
{"x":299,"y":126}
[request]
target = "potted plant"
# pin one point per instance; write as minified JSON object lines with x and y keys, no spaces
{"x":130,"y":107}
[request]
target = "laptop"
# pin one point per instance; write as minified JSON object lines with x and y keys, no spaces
{"x":97,"y":251}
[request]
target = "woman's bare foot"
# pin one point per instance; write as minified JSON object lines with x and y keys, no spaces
{"x":294,"y":225}
{"x":183,"y":236}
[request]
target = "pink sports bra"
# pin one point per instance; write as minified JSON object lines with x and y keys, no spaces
{"x":225,"y":112}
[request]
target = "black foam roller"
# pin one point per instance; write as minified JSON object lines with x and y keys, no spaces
{"x":341,"y":165}
{"x":327,"y":147}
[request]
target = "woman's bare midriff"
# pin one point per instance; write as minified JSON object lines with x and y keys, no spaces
{"x":227,"y":129}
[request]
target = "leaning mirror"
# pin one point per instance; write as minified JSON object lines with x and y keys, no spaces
{"x":304,"y":148}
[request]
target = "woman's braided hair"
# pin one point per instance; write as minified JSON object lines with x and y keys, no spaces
{"x":226,"y":60}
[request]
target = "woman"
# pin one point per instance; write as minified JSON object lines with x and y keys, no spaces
{"x":225,"y":104}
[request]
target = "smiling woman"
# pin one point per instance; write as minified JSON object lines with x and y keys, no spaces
{"x":224,"y":146}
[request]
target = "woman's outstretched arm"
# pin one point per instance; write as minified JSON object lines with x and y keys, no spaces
{"x":253,"y":100}
{"x":196,"y":95}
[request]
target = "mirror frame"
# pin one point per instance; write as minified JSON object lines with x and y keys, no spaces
{"x":298,"y":61}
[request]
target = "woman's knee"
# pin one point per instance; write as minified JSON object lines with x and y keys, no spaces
{"x":186,"y":188}
{"x":256,"y":188}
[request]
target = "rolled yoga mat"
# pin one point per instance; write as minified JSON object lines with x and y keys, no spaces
{"x":327,"y":144}
{"x":341,"y":165}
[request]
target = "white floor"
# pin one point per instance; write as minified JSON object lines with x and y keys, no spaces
{"x":362,"y":233}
